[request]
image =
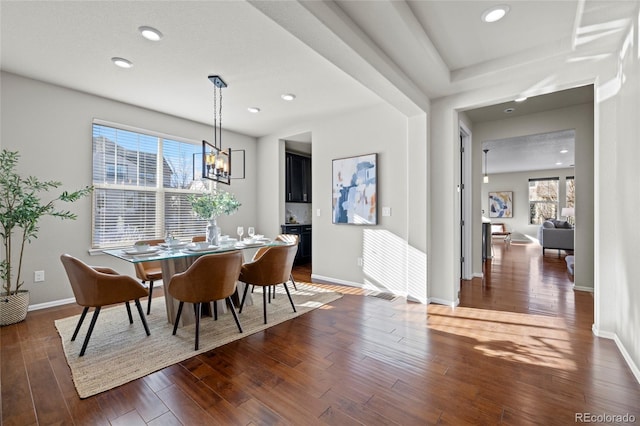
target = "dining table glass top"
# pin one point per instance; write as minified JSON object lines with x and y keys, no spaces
{"x":166,"y":252}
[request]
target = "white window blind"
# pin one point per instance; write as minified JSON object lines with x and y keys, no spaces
{"x":141,"y":183}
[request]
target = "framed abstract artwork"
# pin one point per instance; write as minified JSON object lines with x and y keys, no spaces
{"x":501,"y":204}
{"x":355,"y":191}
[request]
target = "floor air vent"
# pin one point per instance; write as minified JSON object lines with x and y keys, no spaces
{"x":381,"y":295}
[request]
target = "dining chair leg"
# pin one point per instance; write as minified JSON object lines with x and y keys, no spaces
{"x":84,"y":314}
{"x":198,"y":307}
{"x":264,"y":302}
{"x":293,"y":282}
{"x":91,"y":325}
{"x":290,"y":299}
{"x":215,"y":310}
{"x":233,"y":311}
{"x":144,"y":320}
{"x":244,"y":296}
{"x":177,"y":321}
{"x":150,"y":295}
{"x":129,"y":312}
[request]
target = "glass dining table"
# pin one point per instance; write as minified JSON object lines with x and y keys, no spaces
{"x":177,"y":258}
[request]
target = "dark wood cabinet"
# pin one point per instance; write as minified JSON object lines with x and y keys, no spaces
{"x":298,"y":178}
{"x":304,"y":248}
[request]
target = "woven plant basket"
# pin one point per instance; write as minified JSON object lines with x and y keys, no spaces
{"x":13,"y":308}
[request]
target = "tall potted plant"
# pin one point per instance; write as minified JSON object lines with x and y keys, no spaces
{"x":21,"y":208}
{"x":210,"y":206}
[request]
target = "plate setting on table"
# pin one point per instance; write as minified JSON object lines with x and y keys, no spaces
{"x":203,"y":247}
{"x":253,"y":243}
{"x":174,"y":244}
{"x":141,"y":251}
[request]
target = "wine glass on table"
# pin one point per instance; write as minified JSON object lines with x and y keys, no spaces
{"x":240,"y":232}
{"x":251,"y":232}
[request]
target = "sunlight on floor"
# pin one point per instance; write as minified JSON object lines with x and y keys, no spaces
{"x":524,"y":338}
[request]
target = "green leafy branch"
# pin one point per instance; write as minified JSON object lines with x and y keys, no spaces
{"x":213,"y":204}
{"x":21,"y":208}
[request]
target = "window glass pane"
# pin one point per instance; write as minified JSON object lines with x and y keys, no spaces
{"x":571,"y":192}
{"x":543,"y":199}
{"x":543,"y":190}
{"x":178,"y":159}
{"x":179,"y":217}
{"x":137,"y":196}
{"x":122,"y":157}
{"x":122,"y":217}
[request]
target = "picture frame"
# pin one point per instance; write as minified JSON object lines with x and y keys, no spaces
{"x":501,"y":204}
{"x":355,"y":190}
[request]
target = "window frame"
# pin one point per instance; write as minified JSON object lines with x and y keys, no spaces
{"x":534,"y":205}
{"x":161,"y":189}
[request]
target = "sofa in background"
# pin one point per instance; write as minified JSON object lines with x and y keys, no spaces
{"x":556,"y":234}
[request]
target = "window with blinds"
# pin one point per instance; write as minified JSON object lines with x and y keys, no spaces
{"x":141,"y":183}
{"x":543,"y":199}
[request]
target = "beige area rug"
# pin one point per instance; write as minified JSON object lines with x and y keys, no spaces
{"x":120,"y":352}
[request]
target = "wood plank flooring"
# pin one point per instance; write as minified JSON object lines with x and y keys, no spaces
{"x":517,"y":351}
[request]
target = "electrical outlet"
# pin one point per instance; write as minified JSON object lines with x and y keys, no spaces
{"x":386,"y":211}
{"x":38,"y":276}
{"x":360,"y":261}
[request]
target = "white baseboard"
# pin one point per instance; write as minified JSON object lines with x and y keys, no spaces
{"x":438,"y":301}
{"x":330,"y":280}
{"x":61,"y":302}
{"x":478,"y":275}
{"x":625,"y":354}
{"x":51,"y":304}
{"x":580,"y":288}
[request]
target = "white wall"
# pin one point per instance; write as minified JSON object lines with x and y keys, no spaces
{"x":519,"y":184}
{"x":579,"y":118}
{"x":51,"y":127}
{"x":615,"y":177}
{"x":336,"y":248}
{"x":617,"y":290}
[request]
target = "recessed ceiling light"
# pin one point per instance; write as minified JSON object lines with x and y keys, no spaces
{"x":509,"y":110}
{"x":522,"y":99}
{"x":495,"y":13}
{"x":150,"y":33}
{"x":254,"y":110}
{"x":288,"y":96}
{"x":564,"y":151}
{"x":558,"y":163}
{"x":122,"y":62}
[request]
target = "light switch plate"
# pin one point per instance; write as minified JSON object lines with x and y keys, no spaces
{"x":386,"y":211}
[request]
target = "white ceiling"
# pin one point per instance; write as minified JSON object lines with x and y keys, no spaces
{"x":545,"y":151}
{"x":335,"y":56}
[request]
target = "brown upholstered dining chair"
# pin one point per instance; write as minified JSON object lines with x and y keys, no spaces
{"x":149,"y":271}
{"x":285,"y":238}
{"x":199,"y":238}
{"x":273,"y":267}
{"x":210,"y":278}
{"x":97,"y":287}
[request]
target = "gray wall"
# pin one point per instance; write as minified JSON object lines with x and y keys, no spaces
{"x":51,"y":127}
{"x":519,"y":184}
{"x":336,"y":248}
{"x":578,"y":117}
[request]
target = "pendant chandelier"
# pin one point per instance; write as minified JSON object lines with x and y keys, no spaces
{"x":485,"y":178}
{"x":216,"y":163}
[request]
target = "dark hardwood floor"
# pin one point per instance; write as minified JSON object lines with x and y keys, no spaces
{"x":519,"y":350}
